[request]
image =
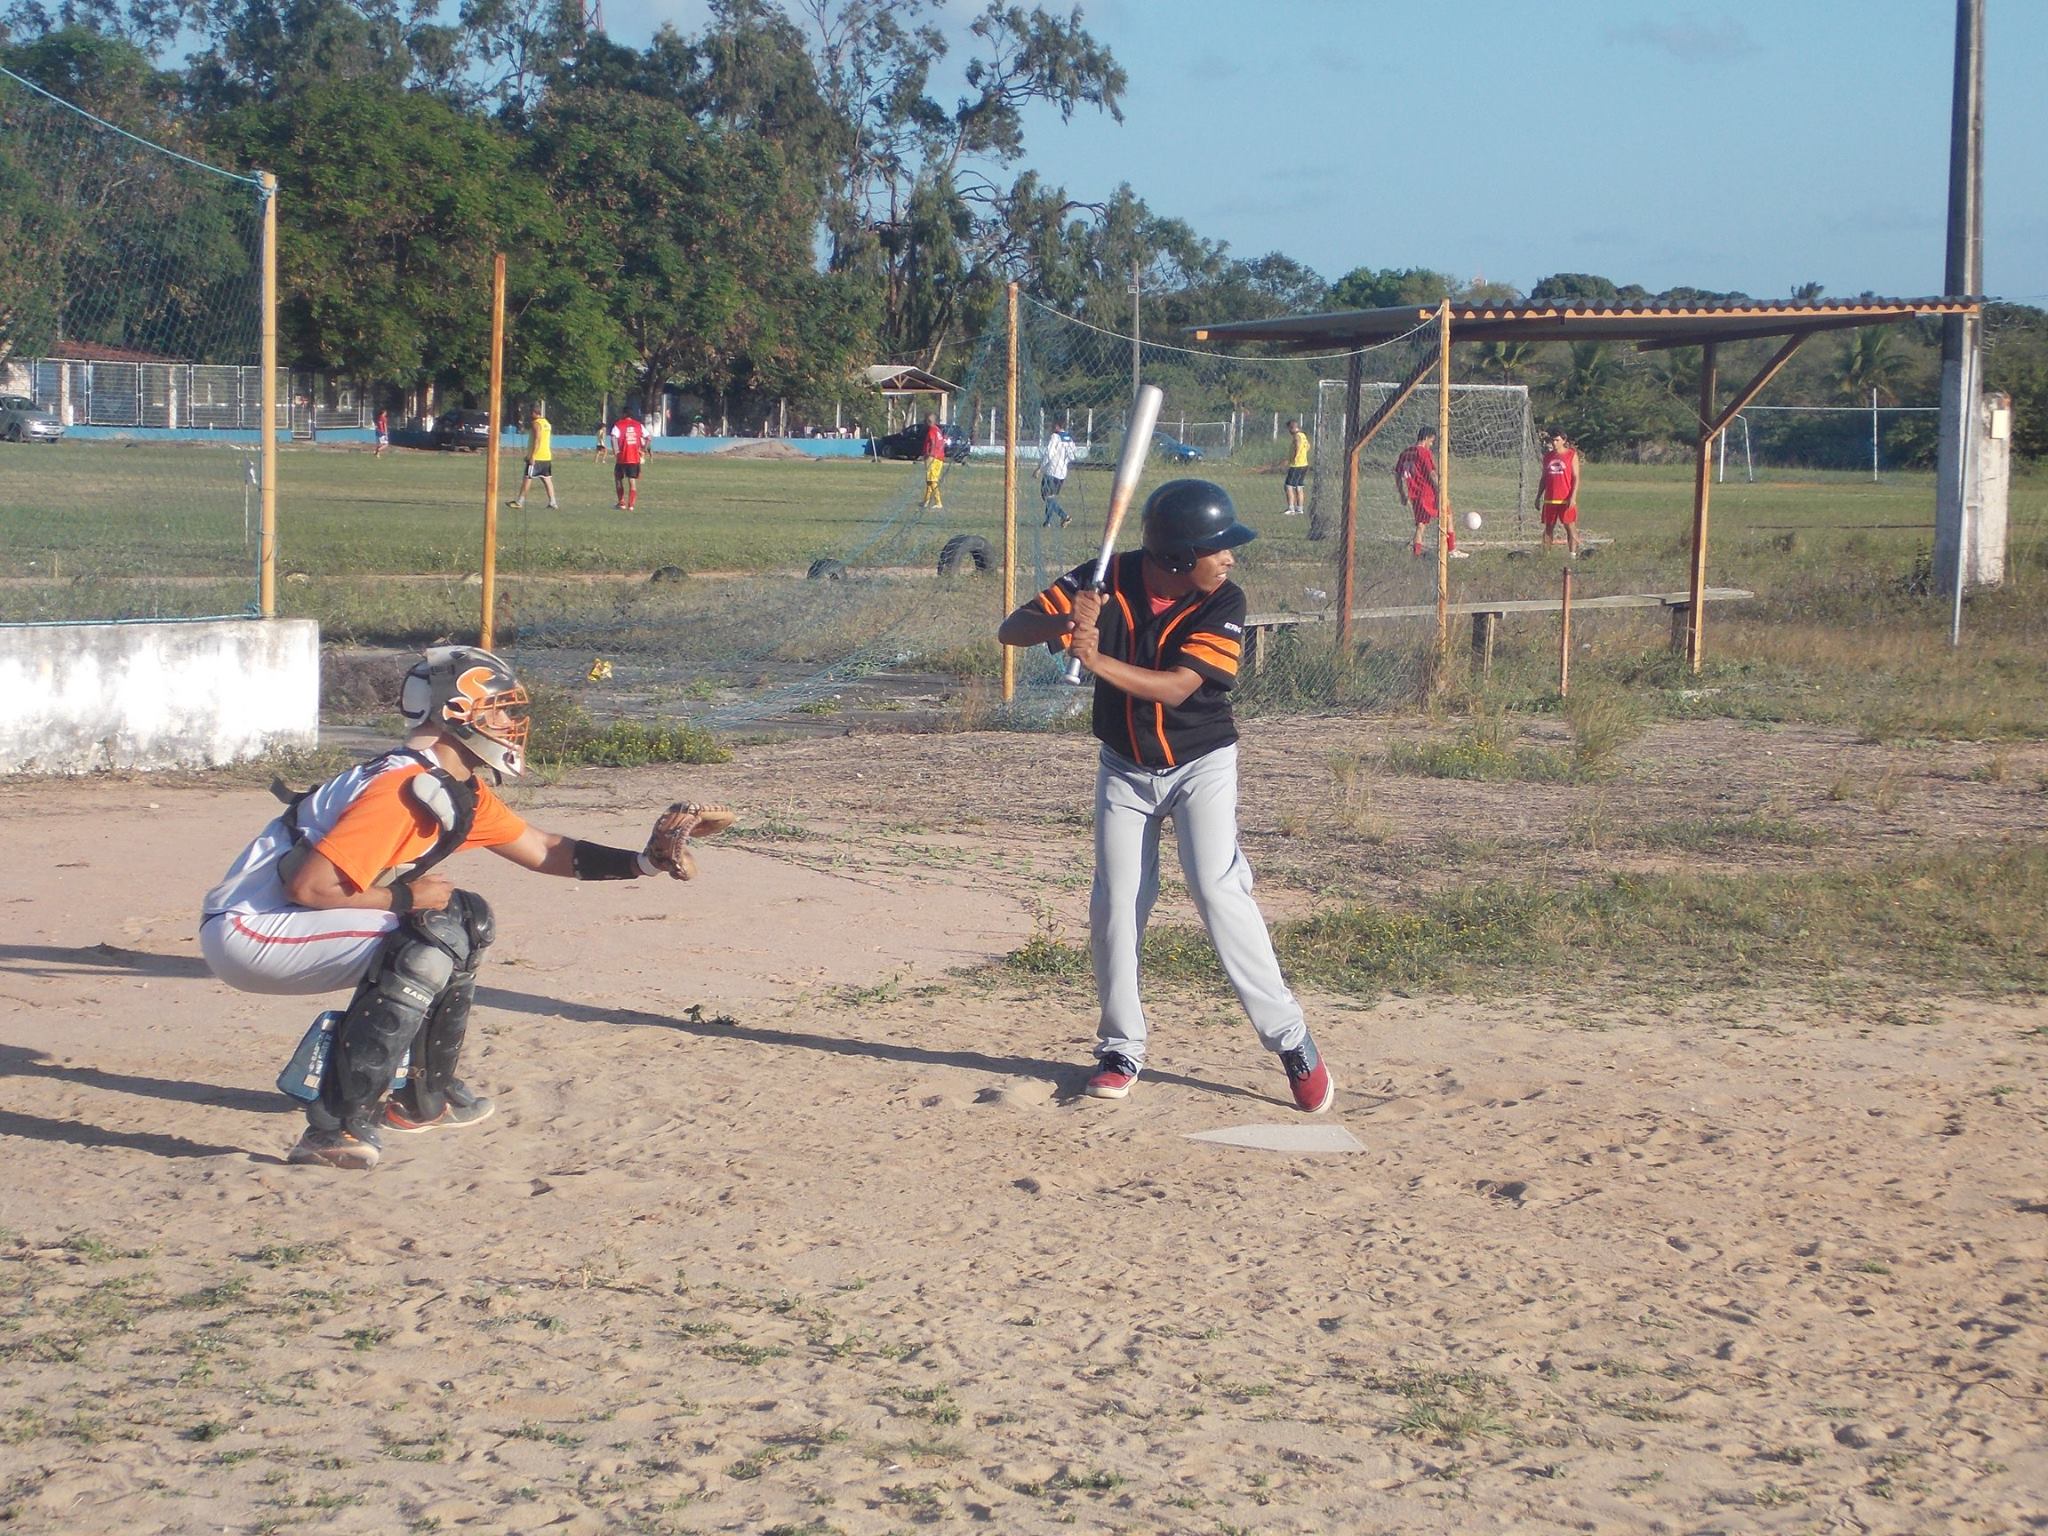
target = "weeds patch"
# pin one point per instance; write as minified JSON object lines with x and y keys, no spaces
{"x":564,"y":735}
{"x":1960,"y":918}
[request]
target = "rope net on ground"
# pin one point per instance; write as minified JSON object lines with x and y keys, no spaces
{"x":895,"y":611}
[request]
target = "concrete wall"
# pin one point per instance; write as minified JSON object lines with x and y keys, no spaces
{"x":76,"y":697}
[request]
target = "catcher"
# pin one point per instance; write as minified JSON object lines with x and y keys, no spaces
{"x":342,"y":890}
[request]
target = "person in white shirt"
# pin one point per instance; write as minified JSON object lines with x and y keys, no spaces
{"x":1055,"y":459}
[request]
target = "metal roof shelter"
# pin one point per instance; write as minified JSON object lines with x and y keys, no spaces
{"x":904,"y":381}
{"x":1652,"y":327}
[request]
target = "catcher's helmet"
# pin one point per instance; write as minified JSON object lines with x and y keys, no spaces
{"x":1185,"y":519}
{"x":472,"y":695}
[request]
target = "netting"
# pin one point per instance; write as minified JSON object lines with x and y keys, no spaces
{"x":894,"y":612}
{"x":1771,"y":439}
{"x":1493,"y":444}
{"x":130,"y":391}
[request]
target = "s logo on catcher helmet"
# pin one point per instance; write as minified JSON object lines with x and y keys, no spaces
{"x":473,"y":696}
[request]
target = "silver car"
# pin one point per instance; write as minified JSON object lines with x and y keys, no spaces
{"x":23,"y":421}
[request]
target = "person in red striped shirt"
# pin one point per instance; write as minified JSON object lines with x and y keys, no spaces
{"x":630,"y":447}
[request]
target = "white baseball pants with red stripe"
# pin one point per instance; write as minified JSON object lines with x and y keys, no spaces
{"x":298,"y":950}
{"x":1132,"y":804}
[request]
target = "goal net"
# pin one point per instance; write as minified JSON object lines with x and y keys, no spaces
{"x":1493,"y":447}
{"x":130,"y":339}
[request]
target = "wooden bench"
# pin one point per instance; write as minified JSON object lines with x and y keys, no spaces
{"x":1486,"y":617}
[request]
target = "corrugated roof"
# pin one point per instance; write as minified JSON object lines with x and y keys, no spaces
{"x":1670,"y":325}
{"x":907,"y":378}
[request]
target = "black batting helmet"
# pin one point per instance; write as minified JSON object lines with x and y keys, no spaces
{"x":1185,"y":519}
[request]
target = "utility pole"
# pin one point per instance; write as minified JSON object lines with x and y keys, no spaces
{"x":1955,"y":475}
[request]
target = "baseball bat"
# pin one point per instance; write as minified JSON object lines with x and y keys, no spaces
{"x":1130,"y":465}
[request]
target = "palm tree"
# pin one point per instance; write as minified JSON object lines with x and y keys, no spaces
{"x":1593,"y":367}
{"x":1508,"y":361}
{"x":1870,"y":363}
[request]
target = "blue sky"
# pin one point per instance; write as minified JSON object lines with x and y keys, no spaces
{"x":1746,"y":145}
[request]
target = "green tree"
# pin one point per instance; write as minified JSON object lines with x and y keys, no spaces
{"x":1562,"y":288}
{"x":392,"y":203}
{"x":1870,"y":360}
{"x":696,"y":240}
{"x":113,"y":242}
{"x":1387,"y":287}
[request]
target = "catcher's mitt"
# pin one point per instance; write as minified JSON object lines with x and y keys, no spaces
{"x":668,"y":845}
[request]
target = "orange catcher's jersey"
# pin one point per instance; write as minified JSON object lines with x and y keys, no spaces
{"x":367,"y":823}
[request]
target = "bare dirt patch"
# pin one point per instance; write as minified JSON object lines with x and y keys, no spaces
{"x":785,"y":1224}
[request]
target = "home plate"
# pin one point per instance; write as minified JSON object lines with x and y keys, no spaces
{"x":1283,"y":1138}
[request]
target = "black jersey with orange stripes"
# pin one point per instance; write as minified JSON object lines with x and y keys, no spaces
{"x":1201,"y":631}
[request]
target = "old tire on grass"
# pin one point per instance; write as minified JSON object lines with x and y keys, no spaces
{"x":827,"y":570}
{"x":965,"y":550}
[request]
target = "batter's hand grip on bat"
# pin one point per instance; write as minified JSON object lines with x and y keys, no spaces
{"x":1130,"y":465}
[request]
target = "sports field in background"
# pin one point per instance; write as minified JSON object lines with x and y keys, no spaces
{"x":384,"y":552}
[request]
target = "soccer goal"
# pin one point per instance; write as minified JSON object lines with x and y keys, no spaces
{"x":1492,"y":458}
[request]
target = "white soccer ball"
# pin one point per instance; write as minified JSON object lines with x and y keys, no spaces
{"x":1473,"y":520}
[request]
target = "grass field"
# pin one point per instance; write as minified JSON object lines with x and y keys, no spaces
{"x":1842,"y":628}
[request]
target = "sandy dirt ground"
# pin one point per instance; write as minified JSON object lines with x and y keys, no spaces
{"x":787,"y":1225}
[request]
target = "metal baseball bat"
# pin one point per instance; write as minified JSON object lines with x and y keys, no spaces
{"x":1130,"y":465}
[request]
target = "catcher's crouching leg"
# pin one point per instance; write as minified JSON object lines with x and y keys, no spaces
{"x":433,"y":1095}
{"x":419,"y":965}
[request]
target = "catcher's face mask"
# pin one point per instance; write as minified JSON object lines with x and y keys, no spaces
{"x":473,"y":696}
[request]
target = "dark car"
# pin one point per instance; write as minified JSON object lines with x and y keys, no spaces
{"x":909,"y":443}
{"x":462,"y":429}
{"x":1174,"y":451}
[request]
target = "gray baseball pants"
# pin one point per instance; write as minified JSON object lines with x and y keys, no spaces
{"x":1131,"y":805}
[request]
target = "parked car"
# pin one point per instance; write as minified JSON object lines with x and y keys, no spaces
{"x":462,"y":429}
{"x":23,"y":421}
{"x":909,"y":443}
{"x":1174,"y":451}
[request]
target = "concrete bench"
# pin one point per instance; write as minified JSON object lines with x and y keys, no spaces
{"x":1486,"y":617}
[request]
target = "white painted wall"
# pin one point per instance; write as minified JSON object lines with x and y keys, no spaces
{"x":79,"y":697}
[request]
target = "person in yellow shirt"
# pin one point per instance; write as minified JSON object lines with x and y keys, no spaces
{"x":1297,"y":470}
{"x":540,"y":457}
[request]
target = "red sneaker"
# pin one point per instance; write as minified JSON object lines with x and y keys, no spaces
{"x":462,"y":1107}
{"x":1114,"y":1075}
{"x":1309,"y":1078}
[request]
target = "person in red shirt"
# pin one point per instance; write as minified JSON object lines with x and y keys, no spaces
{"x":1421,"y":488}
{"x":341,"y":890}
{"x":1560,"y":493}
{"x":383,"y":434}
{"x":630,"y":447}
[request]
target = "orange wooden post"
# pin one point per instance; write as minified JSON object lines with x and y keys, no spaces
{"x":1010,"y":501}
{"x":1347,"y":533}
{"x":1564,"y":638}
{"x":1702,"y":488}
{"x":1443,"y":493}
{"x":485,"y":630}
